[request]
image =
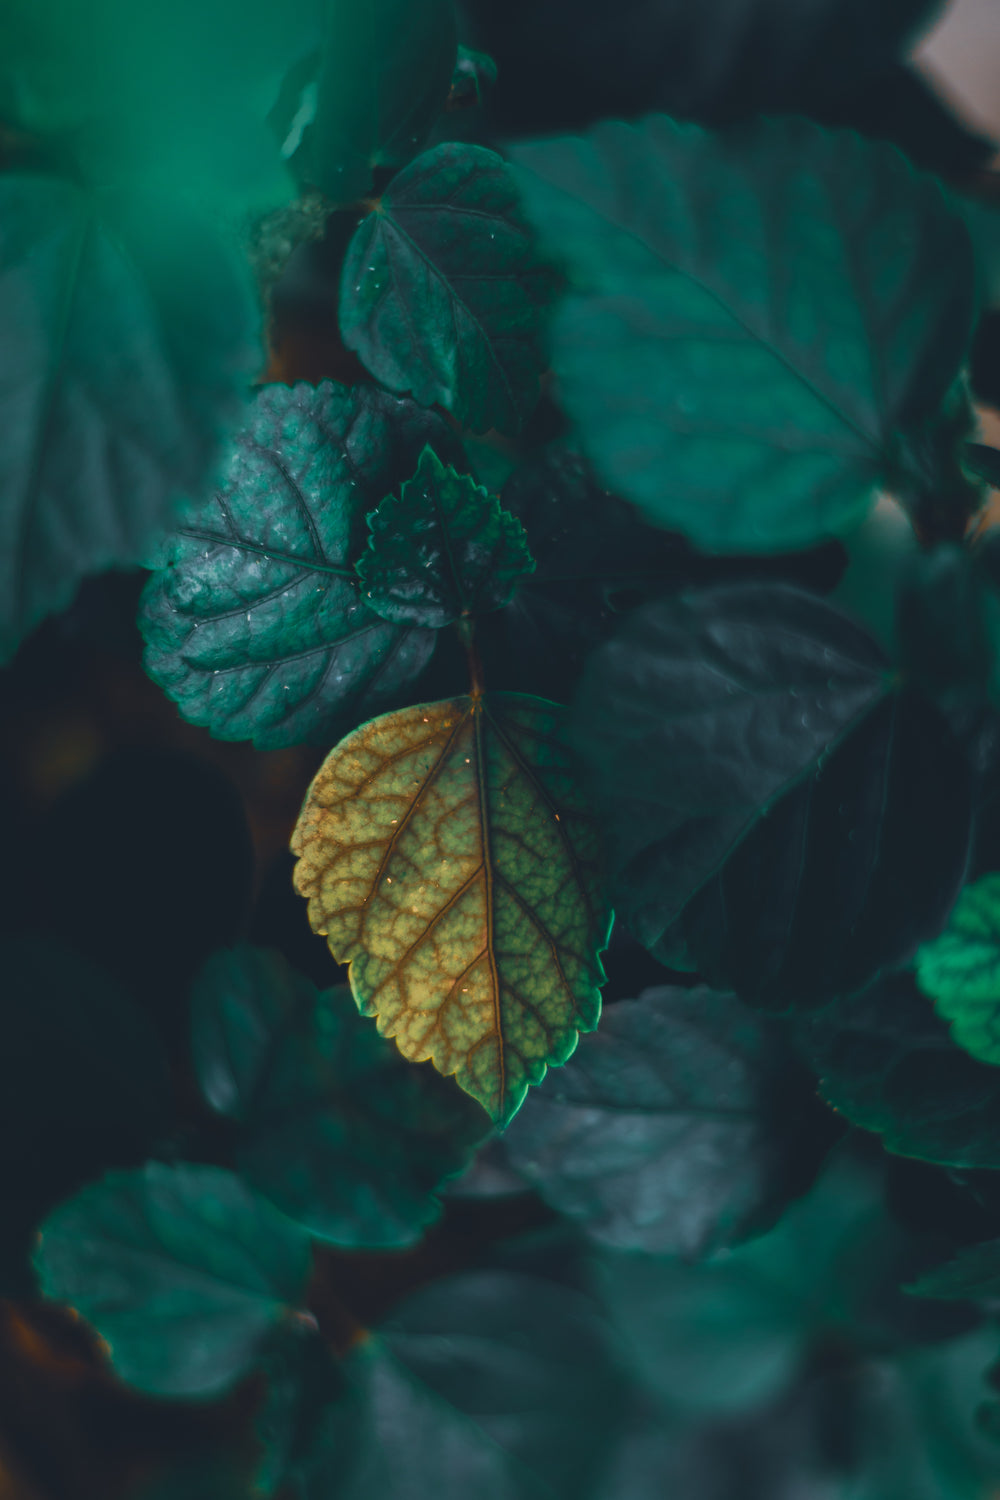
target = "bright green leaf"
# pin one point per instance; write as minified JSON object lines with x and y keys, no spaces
{"x":758,"y":324}
{"x":960,"y":970}
{"x":441,"y":549}
{"x":254,"y":622}
{"x":662,"y":1132}
{"x":128,"y":334}
{"x":182,"y":1271}
{"x":443,"y":293}
{"x":448,"y":856}
{"x":696,"y":717}
{"x":171,"y":93}
{"x":383,"y":77}
{"x":339,"y":1131}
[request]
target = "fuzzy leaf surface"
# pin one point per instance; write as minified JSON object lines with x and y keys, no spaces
{"x":444,"y":294}
{"x":449,"y":858}
{"x":339,"y":1131}
{"x":441,"y":549}
{"x":887,"y":1063}
{"x":147,"y":1257}
{"x":128,"y":336}
{"x":661,"y":1133}
{"x":254,"y":622}
{"x":960,"y":970}
{"x":696,"y":716}
{"x":757,"y":323}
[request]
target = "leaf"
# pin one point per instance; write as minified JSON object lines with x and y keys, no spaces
{"x":443,"y":293}
{"x":984,"y":461}
{"x":304,"y":1380}
{"x":488,"y":1383}
{"x":172,"y":94}
{"x":664,"y":1132}
{"x":887,"y":1063}
{"x":253,"y":622}
{"x":339,"y":1131}
{"x":128,"y":334}
{"x":182,"y":1271}
{"x":474,"y":76}
{"x":960,"y":970}
{"x":856,"y":865}
{"x":758,"y":323}
{"x":440,"y":550}
{"x":449,"y":859}
{"x":715,"y":702}
{"x":383,"y":77}
{"x":974,"y":1272}
{"x":83,"y":1078}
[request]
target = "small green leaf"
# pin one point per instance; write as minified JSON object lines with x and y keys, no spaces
{"x":449,"y":858}
{"x":339,"y":1131}
{"x":696,"y":717}
{"x":974,"y":1272}
{"x":443,"y":293}
{"x":182,"y":1271}
{"x":383,"y":77}
{"x":960,"y":970}
{"x":758,"y":324}
{"x":442,"y":549}
{"x":128,"y":334}
{"x":662,"y":1132}
{"x":888,"y":1064}
{"x":254,"y":622}
{"x":489,"y":1383}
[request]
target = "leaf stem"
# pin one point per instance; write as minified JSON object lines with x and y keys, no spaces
{"x":467,"y":635}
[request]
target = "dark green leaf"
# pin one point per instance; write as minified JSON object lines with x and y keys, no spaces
{"x":960,"y":970}
{"x":128,"y":334}
{"x":943,"y":621}
{"x":664,"y":1131}
{"x":975,"y":1272}
{"x":443,"y":293}
{"x":182,"y":1271}
{"x":696,"y":717}
{"x":855,"y":866}
{"x":254,"y":622}
{"x":340,"y":1131}
{"x":887,"y":1063}
{"x":441,"y":549}
{"x":488,"y":1384}
{"x":303,"y":1382}
{"x":475,"y":74}
{"x":384,"y":75}
{"x":171,"y":93}
{"x":759,"y":323}
{"x":983,"y":461}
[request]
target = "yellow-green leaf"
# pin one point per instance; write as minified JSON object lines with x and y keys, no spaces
{"x":449,"y":858}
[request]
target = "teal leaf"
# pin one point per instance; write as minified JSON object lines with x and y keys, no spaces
{"x":129,"y":333}
{"x":663,"y":1133}
{"x":383,"y":77}
{"x":758,"y":324}
{"x":338,"y":1129}
{"x":182,"y":1271}
{"x":960,"y":970}
{"x":697,"y":715}
{"x":304,"y":1381}
{"x":887,"y":1063}
{"x":984,"y":461}
{"x":254,"y":622}
{"x":973,"y":1273}
{"x":443,"y":293}
{"x":474,"y":76}
{"x":441,"y":549}
{"x":489,"y":1383}
{"x":171,"y":94}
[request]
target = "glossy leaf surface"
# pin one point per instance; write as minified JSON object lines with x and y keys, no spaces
{"x":441,"y":549}
{"x":960,"y":970}
{"x":181,"y":1270}
{"x":449,"y":858}
{"x":696,"y":716}
{"x":128,"y":334}
{"x":443,"y":292}
{"x":490,"y":1383}
{"x":663,"y":1132}
{"x":385,"y":73}
{"x":756,"y":322}
{"x":886,"y":1062}
{"x":254,"y":622}
{"x":339,"y":1131}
